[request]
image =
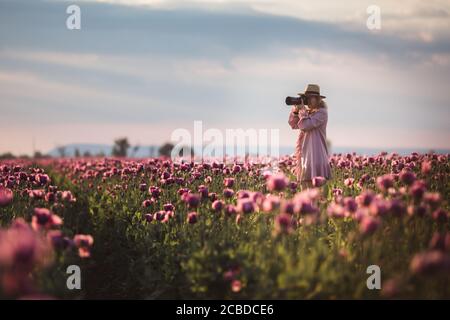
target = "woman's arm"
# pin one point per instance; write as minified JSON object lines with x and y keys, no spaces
{"x":309,"y":122}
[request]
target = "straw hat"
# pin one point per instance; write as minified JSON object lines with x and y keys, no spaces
{"x":312,"y":89}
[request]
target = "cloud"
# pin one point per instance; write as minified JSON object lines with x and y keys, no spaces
{"x":134,"y":70}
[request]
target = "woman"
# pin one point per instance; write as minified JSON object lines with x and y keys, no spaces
{"x":311,"y":150}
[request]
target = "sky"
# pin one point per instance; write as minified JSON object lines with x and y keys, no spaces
{"x":145,"y":68}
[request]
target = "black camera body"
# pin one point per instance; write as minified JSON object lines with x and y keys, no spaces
{"x":291,"y":101}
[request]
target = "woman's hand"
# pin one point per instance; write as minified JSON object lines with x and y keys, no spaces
{"x":296,"y":108}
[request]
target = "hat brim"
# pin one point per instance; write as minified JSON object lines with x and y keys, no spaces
{"x":300,"y":93}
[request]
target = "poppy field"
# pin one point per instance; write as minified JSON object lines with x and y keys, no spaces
{"x":157,"y":229}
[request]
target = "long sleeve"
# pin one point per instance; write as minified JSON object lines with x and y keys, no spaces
{"x":315,"y":120}
{"x":293,"y":120}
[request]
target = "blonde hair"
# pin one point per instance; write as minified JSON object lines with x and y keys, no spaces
{"x":323,"y":104}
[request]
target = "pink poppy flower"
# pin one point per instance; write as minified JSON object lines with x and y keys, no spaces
{"x":245,"y":205}
{"x":44,"y":219}
{"x":385,"y":182}
{"x":228,"y":193}
{"x":192,"y":217}
{"x":283,"y":224}
{"x":349,"y":182}
{"x":192,"y":199}
{"x":6,"y":196}
{"x":426,"y":167}
{"x":84,"y":243}
{"x":430,"y":262}
{"x":277,"y":182}
{"x":236,"y":286}
{"x":407,"y":177}
{"x":230,"y":210}
{"x":368,"y":225}
{"x":217,"y":205}
{"x":318,"y":181}
{"x":228,"y":182}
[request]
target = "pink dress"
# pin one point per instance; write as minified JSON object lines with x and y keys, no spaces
{"x":311,"y":150}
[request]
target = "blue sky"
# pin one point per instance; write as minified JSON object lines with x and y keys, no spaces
{"x":144,"y":68}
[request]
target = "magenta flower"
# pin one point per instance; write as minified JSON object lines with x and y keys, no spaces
{"x":349,"y":182}
{"x":228,"y":182}
{"x":418,"y":189}
{"x":270,"y":203}
{"x":306,"y":207}
{"x":337,"y":192}
{"x":143,"y":187}
{"x":426,"y":167}
{"x":365,"y":198}
{"x":159,"y":215}
{"x":230,"y":210}
{"x":192,"y":217}
{"x":6,"y":196}
{"x":379,"y":207}
{"x":203,"y":190}
{"x":42,"y":178}
{"x":318,"y":181}
{"x":228,"y":193}
{"x":148,"y":217}
{"x":277,"y":182}
{"x":192,"y":200}
{"x":217,"y":205}
{"x":283,"y":224}
{"x":212,"y":196}
{"x":84,"y":243}
{"x":21,"y":249}
{"x":350,"y":204}
{"x":368,"y":225}
{"x":407,"y":177}
{"x":440,"y":242}
{"x":335,"y":210}
{"x":148,"y":202}
{"x":385,"y":182}
{"x":44,"y":219}
{"x":237,"y":168}
{"x":397,"y":208}
{"x":168,"y":207}
{"x":433,"y":199}
{"x":245,"y":205}
{"x":58,"y":240}
{"x":430,"y":262}
{"x":236,"y":286}
{"x":440,"y":215}
{"x":154,"y":191}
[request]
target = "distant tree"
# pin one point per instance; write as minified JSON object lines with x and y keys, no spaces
{"x":87,"y":154}
{"x":184,"y":151}
{"x":77,"y":153}
{"x":37,"y":155}
{"x":24,"y":156}
{"x":166,"y":149}
{"x":7,"y":155}
{"x":187,"y":150}
{"x":101,"y":154}
{"x":120,"y":148}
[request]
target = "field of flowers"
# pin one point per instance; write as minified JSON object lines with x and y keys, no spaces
{"x":155,"y":229}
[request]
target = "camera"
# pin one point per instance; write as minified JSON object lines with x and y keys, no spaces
{"x":291,"y":101}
